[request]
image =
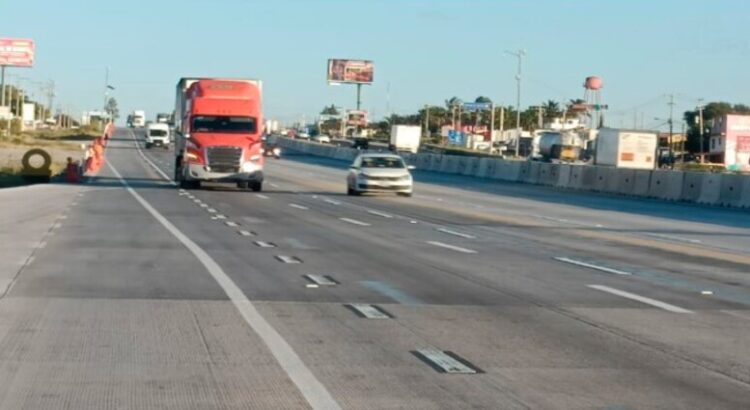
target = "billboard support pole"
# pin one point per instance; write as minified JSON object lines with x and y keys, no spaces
{"x":2,"y":85}
{"x":359,"y":96}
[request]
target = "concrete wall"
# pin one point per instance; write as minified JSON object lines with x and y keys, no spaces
{"x":731,"y":190}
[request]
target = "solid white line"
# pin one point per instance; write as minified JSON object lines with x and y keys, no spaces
{"x":642,"y":299}
{"x":261,"y":196}
{"x":451,"y":247}
{"x":354,"y":221}
{"x":592,"y":266}
{"x":378,"y":213}
{"x":674,"y":238}
{"x":459,"y":234}
{"x":231,"y":223}
{"x":154,"y":166}
{"x":304,"y":208}
{"x":311,"y":388}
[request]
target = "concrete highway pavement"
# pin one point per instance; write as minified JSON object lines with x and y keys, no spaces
{"x":216,"y":298}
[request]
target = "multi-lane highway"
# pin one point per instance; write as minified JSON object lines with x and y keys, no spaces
{"x":471,"y":294}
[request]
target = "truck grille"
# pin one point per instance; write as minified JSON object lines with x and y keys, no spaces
{"x":224,"y":159}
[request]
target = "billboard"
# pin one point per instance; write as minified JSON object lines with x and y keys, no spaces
{"x":356,"y":118}
{"x":350,"y":71}
{"x":16,"y":52}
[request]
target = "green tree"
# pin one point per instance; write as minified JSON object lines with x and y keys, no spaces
{"x":332,"y":111}
{"x":552,"y":110}
{"x":112,"y":108}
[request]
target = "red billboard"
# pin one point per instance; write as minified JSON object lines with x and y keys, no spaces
{"x":16,"y":52}
{"x":350,"y":71}
{"x":356,"y":118}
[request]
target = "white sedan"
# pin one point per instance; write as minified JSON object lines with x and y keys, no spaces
{"x":379,"y":173}
{"x":322,"y":138}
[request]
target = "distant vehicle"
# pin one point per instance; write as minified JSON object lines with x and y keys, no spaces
{"x":272,"y":150}
{"x":302,"y":136}
{"x":626,"y":148}
{"x":219,"y":132}
{"x":361,"y":143}
{"x":163,"y":118}
{"x":379,"y":173}
{"x":157,"y":135}
{"x":563,"y":146}
{"x":405,"y":138}
{"x":139,"y":119}
{"x":322,"y":138}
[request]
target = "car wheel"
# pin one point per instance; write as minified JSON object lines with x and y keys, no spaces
{"x":243,"y":184}
{"x":405,"y":194}
{"x":256,"y":186}
{"x":148,"y":145}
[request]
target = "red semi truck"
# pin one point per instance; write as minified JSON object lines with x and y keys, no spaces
{"x":218,"y":123}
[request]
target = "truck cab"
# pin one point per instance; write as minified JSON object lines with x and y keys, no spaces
{"x":219,"y":133}
{"x":157,"y":134}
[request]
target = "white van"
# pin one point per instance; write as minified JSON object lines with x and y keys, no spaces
{"x":157,"y":134}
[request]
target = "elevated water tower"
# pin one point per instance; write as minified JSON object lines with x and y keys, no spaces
{"x":593,"y":97}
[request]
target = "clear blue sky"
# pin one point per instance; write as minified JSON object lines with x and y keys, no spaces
{"x":424,"y":51}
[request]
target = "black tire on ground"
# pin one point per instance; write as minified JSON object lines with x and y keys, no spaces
{"x":186,"y":184}
{"x":405,"y":194}
{"x":256,"y":186}
{"x":243,"y":184}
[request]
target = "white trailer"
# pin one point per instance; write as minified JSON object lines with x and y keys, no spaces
{"x":406,"y":138}
{"x":139,"y":119}
{"x":626,"y":148}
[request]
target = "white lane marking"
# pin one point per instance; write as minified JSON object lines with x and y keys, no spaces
{"x":204,"y":205}
{"x":378,"y":213}
{"x":368,"y":311}
{"x":451,"y":247}
{"x":354,"y":222}
{"x":232,"y":224}
{"x":673,"y":238}
{"x":265,"y":244}
{"x":41,"y":244}
{"x":220,"y":216}
{"x":707,"y":292}
{"x":311,"y":388}
{"x":289,"y":259}
{"x":261,"y":196}
{"x":642,"y":299}
{"x":304,"y":208}
{"x":273,"y":185}
{"x":154,"y":166}
{"x":567,"y":221}
{"x":245,"y":233}
{"x":331,"y":201}
{"x":591,"y":266}
{"x":445,"y":362}
{"x":455,"y":233}
{"x":321,"y":280}
{"x":63,"y":217}
{"x":211,"y":210}
{"x":56,"y":225}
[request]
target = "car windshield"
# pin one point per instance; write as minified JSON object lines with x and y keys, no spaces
{"x":223,"y":124}
{"x":157,"y":133}
{"x":382,"y":162}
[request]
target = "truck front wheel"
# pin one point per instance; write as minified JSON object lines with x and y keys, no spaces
{"x":256,"y":186}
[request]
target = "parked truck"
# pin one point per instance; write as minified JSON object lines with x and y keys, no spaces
{"x":564,"y":146}
{"x":405,"y":138}
{"x":626,"y":148}
{"x":218,"y":123}
{"x":138,"y":119}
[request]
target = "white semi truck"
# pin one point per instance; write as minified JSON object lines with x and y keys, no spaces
{"x":406,"y":138}
{"x":138,"y":119}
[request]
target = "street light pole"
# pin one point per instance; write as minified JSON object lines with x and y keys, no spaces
{"x":700,"y":128}
{"x":518,"y":54}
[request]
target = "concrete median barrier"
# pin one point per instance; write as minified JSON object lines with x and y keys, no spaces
{"x":745,"y":196}
{"x":564,"y":173}
{"x":485,"y":167}
{"x":470,"y":167}
{"x":642,"y":180}
{"x":575,"y":180}
{"x":691,"y":186}
{"x":449,"y":164}
{"x":424,"y":161}
{"x":732,"y":190}
{"x":623,"y":181}
{"x":602,"y":175}
{"x":666,"y":185}
{"x":548,"y":174}
{"x":588,"y":178}
{"x":507,"y":170}
{"x":710,"y":189}
{"x":529,"y":172}
{"x":436,"y":163}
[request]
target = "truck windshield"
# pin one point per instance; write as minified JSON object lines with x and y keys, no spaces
{"x":157,"y":133}
{"x":225,"y":124}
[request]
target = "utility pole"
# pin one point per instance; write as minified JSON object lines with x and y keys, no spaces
{"x":492,"y":126}
{"x":700,"y":128}
{"x":2,"y":86}
{"x":671,"y":126}
{"x":540,"y":117}
{"x":518,"y":54}
{"x":426,"y":132}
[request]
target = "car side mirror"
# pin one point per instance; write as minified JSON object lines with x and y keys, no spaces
{"x":411,"y":167}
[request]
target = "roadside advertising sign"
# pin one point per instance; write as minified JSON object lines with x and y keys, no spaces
{"x":16,"y":52}
{"x":356,"y":118}
{"x":350,"y":71}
